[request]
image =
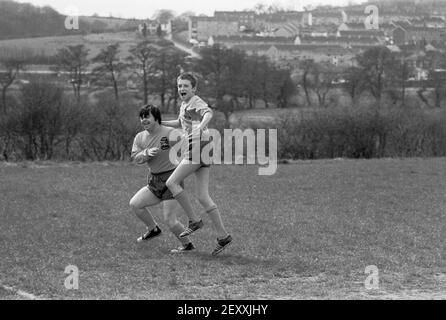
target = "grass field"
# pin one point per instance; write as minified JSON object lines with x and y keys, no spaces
{"x":307,"y":232}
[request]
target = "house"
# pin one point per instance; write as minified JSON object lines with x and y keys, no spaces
{"x":386,"y":28}
{"x":290,"y":29}
{"x":404,"y":34}
{"x":340,"y":40}
{"x":319,"y":30}
{"x":201,"y":28}
{"x":282,"y":53}
{"x":429,"y":22}
{"x":232,"y":41}
{"x":324,"y":17}
{"x":244,"y":18}
{"x":278,"y":19}
{"x":435,"y":22}
{"x":167,"y":27}
{"x":373,"y":35}
{"x":280,"y":23}
{"x":148,"y":27}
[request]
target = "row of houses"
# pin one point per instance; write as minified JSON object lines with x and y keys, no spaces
{"x":290,"y":54}
{"x":151,"y":27}
{"x":293,"y":53}
{"x":400,"y":29}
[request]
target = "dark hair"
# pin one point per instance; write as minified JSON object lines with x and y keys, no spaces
{"x":188,"y":76}
{"x":150,"y":109}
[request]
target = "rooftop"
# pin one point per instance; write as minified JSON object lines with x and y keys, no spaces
{"x":253,"y":39}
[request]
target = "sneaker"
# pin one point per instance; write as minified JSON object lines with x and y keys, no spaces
{"x":193,"y":226}
{"x":150,"y":234}
{"x":221,"y":244}
{"x":184,"y":248}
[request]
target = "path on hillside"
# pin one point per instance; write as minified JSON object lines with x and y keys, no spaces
{"x":182,"y":47}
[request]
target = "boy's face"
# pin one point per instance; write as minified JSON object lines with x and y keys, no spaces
{"x":185,"y":90}
{"x":148,"y":122}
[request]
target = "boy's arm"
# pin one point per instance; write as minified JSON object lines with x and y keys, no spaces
{"x":144,"y":155}
{"x":137,"y":154}
{"x":136,"y":150}
{"x":140,"y":155}
{"x":205,"y":112}
{"x":207,"y":117}
{"x":172,"y":123}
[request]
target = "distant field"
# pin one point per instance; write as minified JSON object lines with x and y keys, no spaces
{"x":94,"y":42}
{"x":307,"y":232}
{"x":111,"y":23}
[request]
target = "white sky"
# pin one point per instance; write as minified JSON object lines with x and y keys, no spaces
{"x":146,"y":8}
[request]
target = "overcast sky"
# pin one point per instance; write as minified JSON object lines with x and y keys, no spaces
{"x":146,"y":8}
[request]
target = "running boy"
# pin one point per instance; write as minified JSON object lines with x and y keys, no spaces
{"x":152,"y":146}
{"x":194,"y":117}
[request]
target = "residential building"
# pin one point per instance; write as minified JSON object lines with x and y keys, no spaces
{"x":404,"y":34}
{"x":201,"y":28}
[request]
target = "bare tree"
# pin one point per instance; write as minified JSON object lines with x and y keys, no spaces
{"x":354,"y":84}
{"x":376,"y":66}
{"x":435,"y":60}
{"x":164,"y":15}
{"x":12,"y":66}
{"x":322,"y":82}
{"x":41,"y":120}
{"x":143,"y":58}
{"x":165,"y":70}
{"x":110,"y":67}
{"x":306,"y":66}
{"x":73,"y":60}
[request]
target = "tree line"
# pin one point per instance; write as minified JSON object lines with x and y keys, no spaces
{"x":64,"y":118}
{"x":379,"y":73}
{"x":46,"y":119}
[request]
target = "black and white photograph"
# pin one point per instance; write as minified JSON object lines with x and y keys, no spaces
{"x":251,"y":151}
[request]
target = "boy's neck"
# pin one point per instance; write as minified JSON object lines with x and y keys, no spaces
{"x":155,"y":129}
{"x":188,"y":100}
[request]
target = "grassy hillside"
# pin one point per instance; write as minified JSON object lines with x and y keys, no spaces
{"x":24,"y":20}
{"x":21,"y":20}
{"x":109,"y":23}
{"x":48,"y":46}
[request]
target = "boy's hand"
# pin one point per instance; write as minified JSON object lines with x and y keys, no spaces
{"x":151,"y":152}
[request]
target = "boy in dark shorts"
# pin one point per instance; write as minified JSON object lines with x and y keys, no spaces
{"x":152,"y":146}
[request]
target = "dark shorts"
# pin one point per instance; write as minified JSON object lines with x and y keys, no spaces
{"x":157,"y":185}
{"x":195,"y":158}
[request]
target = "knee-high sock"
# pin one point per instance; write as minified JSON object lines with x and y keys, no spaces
{"x":215,"y":216}
{"x":184,"y":202}
{"x":177,"y":230}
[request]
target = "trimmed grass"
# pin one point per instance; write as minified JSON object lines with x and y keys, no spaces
{"x":307,"y":232}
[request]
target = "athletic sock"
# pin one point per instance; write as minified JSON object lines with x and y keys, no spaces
{"x":184,"y":202}
{"x":215,"y":216}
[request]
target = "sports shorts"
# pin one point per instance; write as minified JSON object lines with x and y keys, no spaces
{"x":156,"y":182}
